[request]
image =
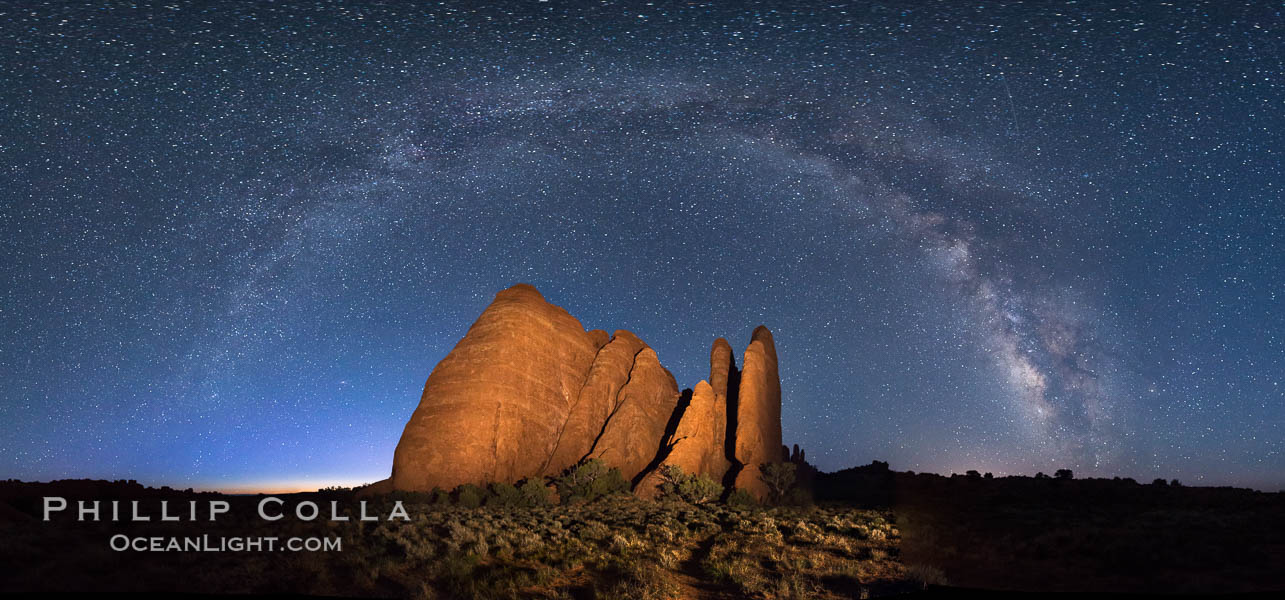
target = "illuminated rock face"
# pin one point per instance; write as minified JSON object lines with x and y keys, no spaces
{"x":599,"y":398}
{"x":698,"y":446}
{"x":758,"y":413}
{"x":632,"y":437}
{"x":493,"y":409}
{"x":528,"y":392}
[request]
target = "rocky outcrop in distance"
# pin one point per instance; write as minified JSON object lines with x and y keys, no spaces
{"x":528,"y":392}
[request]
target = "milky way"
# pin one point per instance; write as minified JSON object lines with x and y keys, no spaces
{"x":1000,"y":237}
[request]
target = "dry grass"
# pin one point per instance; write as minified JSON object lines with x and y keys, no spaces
{"x":622,"y":547}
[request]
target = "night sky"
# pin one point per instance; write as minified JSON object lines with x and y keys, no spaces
{"x":998,"y":236}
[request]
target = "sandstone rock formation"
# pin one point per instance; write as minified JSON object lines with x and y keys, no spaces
{"x":633,"y":434}
{"x":493,"y":408}
{"x":599,"y":397}
{"x":528,"y":393}
{"x":697,"y":446}
{"x":758,"y":412}
{"x":722,"y":376}
{"x":720,"y":365}
{"x":700,"y":444}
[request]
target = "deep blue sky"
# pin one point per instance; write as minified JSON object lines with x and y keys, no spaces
{"x":1003,"y":236}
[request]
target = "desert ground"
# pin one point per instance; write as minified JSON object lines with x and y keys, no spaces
{"x":864,"y":532}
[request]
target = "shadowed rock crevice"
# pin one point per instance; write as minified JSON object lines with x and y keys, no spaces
{"x":596,"y":401}
{"x":637,"y":427}
{"x":529,"y":392}
{"x":669,"y":440}
{"x":729,"y":439}
{"x":616,"y":403}
{"x":544,"y":469}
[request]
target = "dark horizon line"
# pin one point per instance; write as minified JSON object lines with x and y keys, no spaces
{"x":235,"y":490}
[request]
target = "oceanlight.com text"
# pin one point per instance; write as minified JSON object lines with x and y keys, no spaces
{"x":207,"y":543}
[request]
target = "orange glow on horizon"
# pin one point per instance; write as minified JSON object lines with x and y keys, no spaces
{"x":281,"y":487}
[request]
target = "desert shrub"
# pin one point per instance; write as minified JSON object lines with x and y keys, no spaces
{"x":534,"y":493}
{"x":504,"y":494}
{"x":625,"y":544}
{"x":798,"y":497}
{"x":694,"y":488}
{"x":742,"y":498}
{"x":590,"y":480}
{"x":779,"y":478}
{"x":802,"y":532}
{"x":525,"y":542}
{"x":405,"y":537}
{"x":700,"y":489}
{"x":634,"y":580}
{"x":407,"y":497}
{"x":1064,"y":474}
{"x":469,"y":495}
{"x":488,"y":581}
{"x":925,"y":575}
{"x":466,"y":539}
{"x":720,"y":570}
{"x":439,"y":497}
{"x":593,"y":531}
{"x":457,"y":572}
{"x":730,"y":562}
{"x":670,"y":477}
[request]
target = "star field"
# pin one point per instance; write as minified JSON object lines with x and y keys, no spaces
{"x":1011,"y":237}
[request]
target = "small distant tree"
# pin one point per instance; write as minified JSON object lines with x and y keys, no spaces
{"x":1175,"y":483}
{"x":988,"y":476}
{"x":590,"y":480}
{"x":798,"y":496}
{"x":741,"y":498}
{"x":1064,"y":474}
{"x":469,"y":495}
{"x":504,"y":494}
{"x":670,"y":477}
{"x":1159,"y":482}
{"x":535,"y":493}
{"x":692,"y":488}
{"x":973,"y":474}
{"x":699,"y":489}
{"x":1041,"y":475}
{"x":779,"y":478}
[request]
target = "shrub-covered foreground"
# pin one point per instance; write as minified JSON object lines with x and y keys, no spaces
{"x":495,"y":541}
{"x":623,"y":547}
